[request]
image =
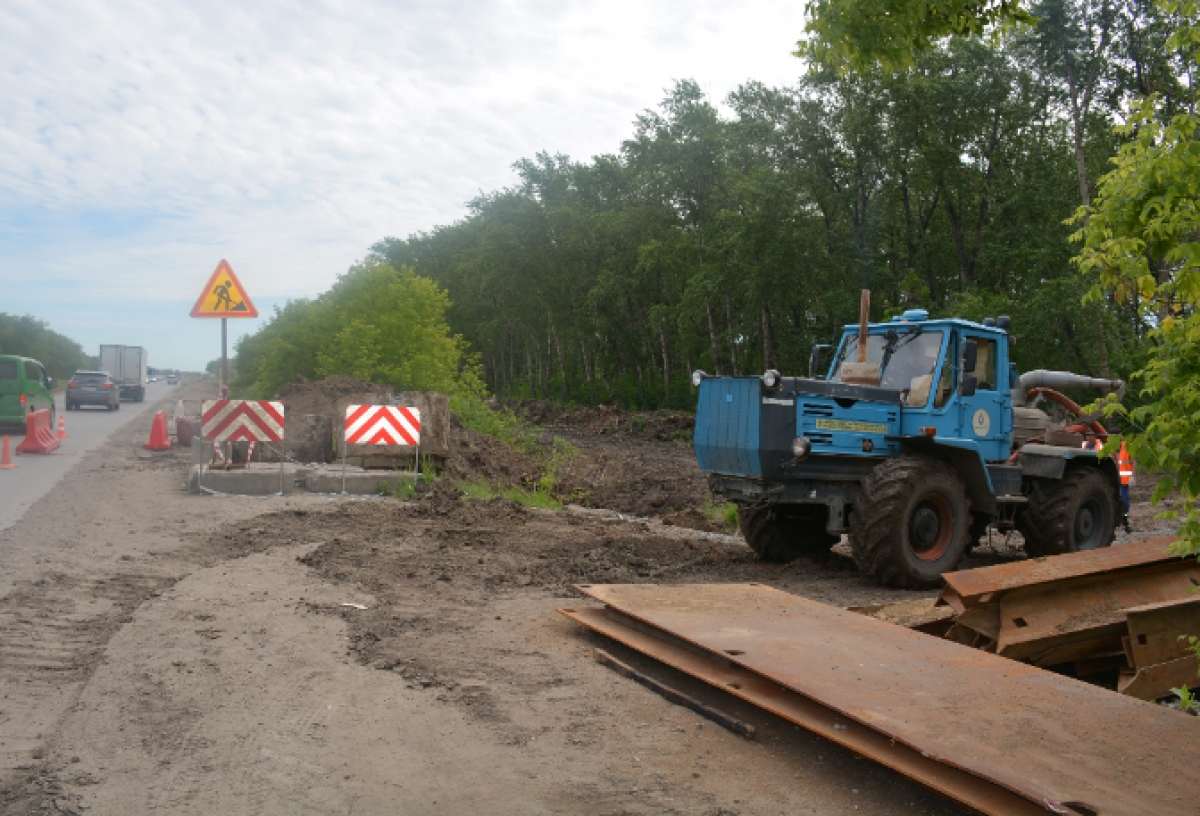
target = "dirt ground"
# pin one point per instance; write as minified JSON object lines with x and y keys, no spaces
{"x":168,"y":652}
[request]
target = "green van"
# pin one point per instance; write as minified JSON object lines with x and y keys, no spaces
{"x":24,"y":386}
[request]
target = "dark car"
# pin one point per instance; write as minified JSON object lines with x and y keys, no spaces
{"x":93,"y":388}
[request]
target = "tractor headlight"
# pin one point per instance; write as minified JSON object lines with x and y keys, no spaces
{"x":770,"y":378}
{"x":697,"y":376}
{"x":801,"y":447}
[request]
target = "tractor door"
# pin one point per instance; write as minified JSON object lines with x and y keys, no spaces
{"x":985,"y":416}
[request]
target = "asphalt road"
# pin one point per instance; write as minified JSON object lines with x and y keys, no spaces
{"x":34,"y":476}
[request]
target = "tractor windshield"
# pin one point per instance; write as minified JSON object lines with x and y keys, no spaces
{"x":906,"y":357}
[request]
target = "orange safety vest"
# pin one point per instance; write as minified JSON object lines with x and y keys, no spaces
{"x":1097,"y":445}
{"x":1124,"y":464}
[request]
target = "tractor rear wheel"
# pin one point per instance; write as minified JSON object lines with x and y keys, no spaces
{"x":1076,"y":512}
{"x":783,"y":533}
{"x":909,"y":523}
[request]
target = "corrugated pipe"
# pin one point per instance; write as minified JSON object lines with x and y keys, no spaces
{"x":1059,"y":380}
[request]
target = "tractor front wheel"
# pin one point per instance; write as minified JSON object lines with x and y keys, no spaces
{"x":783,"y":533}
{"x":910,"y":523}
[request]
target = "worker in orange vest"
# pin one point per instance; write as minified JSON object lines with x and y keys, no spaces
{"x":1090,"y":442}
{"x":1125,"y":468}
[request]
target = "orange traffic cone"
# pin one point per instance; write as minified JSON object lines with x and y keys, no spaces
{"x":62,"y":427}
{"x":6,"y":462}
{"x":159,"y":441}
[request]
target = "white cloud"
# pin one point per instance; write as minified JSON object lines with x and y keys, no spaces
{"x":141,"y":142}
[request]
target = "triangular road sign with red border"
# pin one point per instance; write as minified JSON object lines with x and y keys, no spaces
{"x":223,"y":296}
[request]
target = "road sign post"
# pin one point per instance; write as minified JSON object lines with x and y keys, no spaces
{"x":224,"y":297}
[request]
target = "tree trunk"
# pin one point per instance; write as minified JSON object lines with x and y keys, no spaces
{"x":562,"y":366}
{"x":587,"y":371}
{"x":512,"y":361}
{"x":712,"y":337}
{"x":733,"y":360}
{"x":960,"y":241}
{"x":662,"y":336}
{"x":1085,"y":369}
{"x":769,"y":360}
{"x":529,"y":369}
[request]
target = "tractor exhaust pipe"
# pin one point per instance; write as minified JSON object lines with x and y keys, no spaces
{"x":860,"y":372}
{"x":1059,"y":380}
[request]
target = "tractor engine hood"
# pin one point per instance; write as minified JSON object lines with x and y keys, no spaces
{"x":836,"y":390}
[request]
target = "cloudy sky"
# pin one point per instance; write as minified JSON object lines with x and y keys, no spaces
{"x":142,"y":142}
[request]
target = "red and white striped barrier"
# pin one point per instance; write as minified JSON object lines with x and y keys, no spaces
{"x":241,"y":420}
{"x":382,"y":425}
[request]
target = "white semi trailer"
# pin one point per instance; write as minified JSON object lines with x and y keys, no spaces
{"x":127,"y":365}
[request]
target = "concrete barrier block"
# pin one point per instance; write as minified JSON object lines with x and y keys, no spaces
{"x":253,"y":481}
{"x":358,"y":483}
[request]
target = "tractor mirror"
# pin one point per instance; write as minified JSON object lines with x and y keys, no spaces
{"x":966,"y":388}
{"x":814,"y":361}
{"x":970,"y":356}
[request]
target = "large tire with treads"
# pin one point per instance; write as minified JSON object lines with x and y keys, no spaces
{"x":910,"y":522}
{"x":782,"y":534}
{"x":1076,"y":512}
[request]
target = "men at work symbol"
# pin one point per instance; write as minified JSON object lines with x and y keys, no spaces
{"x":225,"y":301}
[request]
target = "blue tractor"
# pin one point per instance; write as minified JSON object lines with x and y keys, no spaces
{"x":917,"y":438}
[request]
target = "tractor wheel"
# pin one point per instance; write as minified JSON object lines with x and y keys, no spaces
{"x":782,"y":534}
{"x":909,"y":524}
{"x":1077,"y":512}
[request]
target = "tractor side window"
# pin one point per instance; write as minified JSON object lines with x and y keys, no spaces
{"x":985,"y":365}
{"x":946,"y":380}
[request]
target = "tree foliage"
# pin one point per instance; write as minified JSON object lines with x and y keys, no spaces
{"x":734,"y":241}
{"x":378,"y":323}
{"x":29,"y":337}
{"x":1141,"y":243}
{"x":853,"y":35}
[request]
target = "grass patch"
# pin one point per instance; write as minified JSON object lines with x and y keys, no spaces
{"x":405,"y":486}
{"x":722,"y":513}
{"x":481,"y":489}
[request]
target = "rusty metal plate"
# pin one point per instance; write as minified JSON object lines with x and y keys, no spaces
{"x":971,"y":585}
{"x":1158,"y":680}
{"x":1043,"y":736}
{"x":964,"y":788}
{"x":1037,"y":618}
{"x":1157,"y":632}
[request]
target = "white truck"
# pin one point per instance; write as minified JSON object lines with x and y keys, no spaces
{"x":127,"y":366}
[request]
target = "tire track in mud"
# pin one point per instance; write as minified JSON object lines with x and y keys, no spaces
{"x":53,"y":632}
{"x":115,"y":533}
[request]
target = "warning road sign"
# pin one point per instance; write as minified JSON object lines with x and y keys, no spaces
{"x":241,"y":420}
{"x":382,"y":425}
{"x":224,"y":296}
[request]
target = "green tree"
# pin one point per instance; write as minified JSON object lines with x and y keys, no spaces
{"x":29,"y":337}
{"x":1141,"y":243}
{"x":377,"y":322}
{"x":857,"y":35}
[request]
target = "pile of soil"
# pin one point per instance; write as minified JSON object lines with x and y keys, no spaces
{"x":321,"y":398}
{"x":641,"y":478}
{"x":474,"y":456}
{"x":607,"y":420}
{"x":633,"y":463}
